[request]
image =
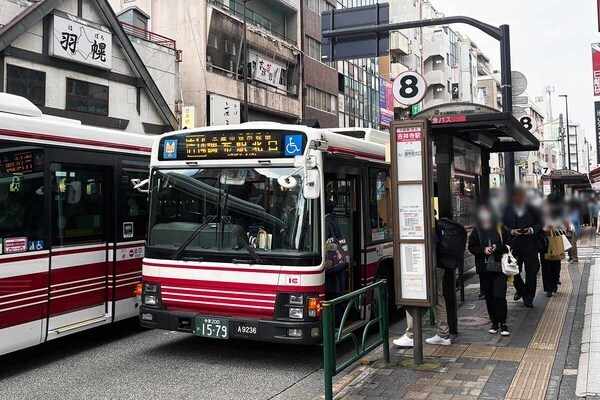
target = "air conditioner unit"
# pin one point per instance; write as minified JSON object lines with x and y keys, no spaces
{"x":213,"y":41}
{"x":229,"y":48}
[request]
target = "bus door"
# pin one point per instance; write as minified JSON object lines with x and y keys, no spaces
{"x":132,"y":223}
{"x":24,"y":259}
{"x":344,"y":191}
{"x":79,"y":255}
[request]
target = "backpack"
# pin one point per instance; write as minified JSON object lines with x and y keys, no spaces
{"x":451,"y":243}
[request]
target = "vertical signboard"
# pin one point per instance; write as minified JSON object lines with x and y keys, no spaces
{"x":188,"y":117}
{"x":413,"y":213}
{"x":596,"y":67}
{"x":223,"y":110}
{"x":597,"y":123}
{"x":386,"y":102}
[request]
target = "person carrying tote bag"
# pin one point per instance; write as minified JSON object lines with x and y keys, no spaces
{"x":488,"y":242}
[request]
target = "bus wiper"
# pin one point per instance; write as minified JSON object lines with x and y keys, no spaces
{"x":177,"y":253}
{"x":241,"y":239}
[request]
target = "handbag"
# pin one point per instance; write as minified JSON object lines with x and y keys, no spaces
{"x":510,"y":267}
{"x":490,"y":264}
{"x":337,"y":254}
{"x":556,"y":247}
{"x":566,"y":243}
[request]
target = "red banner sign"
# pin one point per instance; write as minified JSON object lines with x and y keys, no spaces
{"x":596,"y":67}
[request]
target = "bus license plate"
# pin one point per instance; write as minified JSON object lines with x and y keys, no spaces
{"x":248,"y":330}
{"x":211,"y":327}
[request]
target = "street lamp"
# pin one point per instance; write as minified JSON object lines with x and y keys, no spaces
{"x":245,"y":69}
{"x":568,"y":136}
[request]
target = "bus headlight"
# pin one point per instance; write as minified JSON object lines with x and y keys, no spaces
{"x":296,"y":313}
{"x":150,"y":300}
{"x":296,"y":299}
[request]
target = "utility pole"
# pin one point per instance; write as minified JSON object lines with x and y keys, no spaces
{"x":561,"y":137}
{"x":568,"y":135}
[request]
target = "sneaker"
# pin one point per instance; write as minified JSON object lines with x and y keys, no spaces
{"x":494,"y":329}
{"x":504,"y":330}
{"x":549,"y":294}
{"x":403,"y":341}
{"x":442,"y":341}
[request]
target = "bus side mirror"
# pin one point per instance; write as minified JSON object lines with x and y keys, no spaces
{"x":312,"y":184}
{"x":139,"y":184}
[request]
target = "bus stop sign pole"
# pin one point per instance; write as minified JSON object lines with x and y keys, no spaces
{"x":346,"y":32}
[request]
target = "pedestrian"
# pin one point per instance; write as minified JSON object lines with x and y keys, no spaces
{"x":488,"y":242}
{"x":574,"y":229}
{"x":525,"y":224}
{"x":553,"y":225}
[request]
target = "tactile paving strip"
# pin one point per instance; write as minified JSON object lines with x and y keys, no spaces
{"x":531,"y":379}
{"x":549,"y":328}
{"x":479,"y":351}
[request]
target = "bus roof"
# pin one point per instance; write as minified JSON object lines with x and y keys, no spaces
{"x":21,"y":120}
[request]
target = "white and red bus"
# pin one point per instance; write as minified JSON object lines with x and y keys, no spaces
{"x":238,"y":225}
{"x":72,"y":227}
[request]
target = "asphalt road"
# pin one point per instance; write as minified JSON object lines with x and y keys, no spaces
{"x":126,"y":362}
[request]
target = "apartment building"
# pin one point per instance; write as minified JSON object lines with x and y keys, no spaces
{"x":210,"y":39}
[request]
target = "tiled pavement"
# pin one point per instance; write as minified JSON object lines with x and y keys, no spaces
{"x":530,"y":364}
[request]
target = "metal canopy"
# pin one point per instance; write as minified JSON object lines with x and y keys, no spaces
{"x":568,"y":177}
{"x":493,"y":131}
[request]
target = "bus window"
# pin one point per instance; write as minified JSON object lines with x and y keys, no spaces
{"x":380,"y":202}
{"x":78,"y":204}
{"x":134,"y":204}
{"x":22,"y":195}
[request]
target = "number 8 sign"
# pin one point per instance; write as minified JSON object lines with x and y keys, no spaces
{"x":409,"y":88}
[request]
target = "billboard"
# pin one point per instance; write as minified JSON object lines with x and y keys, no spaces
{"x":386,"y":102}
{"x":597,"y":126}
{"x":596,"y":67}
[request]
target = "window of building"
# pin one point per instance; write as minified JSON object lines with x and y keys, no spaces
{"x":78,"y":204}
{"x":27,"y":83}
{"x":321,"y":100}
{"x":318,"y":6}
{"x":380,"y":207}
{"x":314,"y":48}
{"x":22,"y":211}
{"x":87,"y":97}
{"x":417,"y":63}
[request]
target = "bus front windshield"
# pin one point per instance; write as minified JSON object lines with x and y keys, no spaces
{"x":233,"y":215}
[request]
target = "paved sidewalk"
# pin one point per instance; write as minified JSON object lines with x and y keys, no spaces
{"x":538,"y":361}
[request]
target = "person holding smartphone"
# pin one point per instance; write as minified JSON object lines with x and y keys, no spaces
{"x":525,"y":225}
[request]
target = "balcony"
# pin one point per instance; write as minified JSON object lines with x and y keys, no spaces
{"x":437,"y":77}
{"x":284,"y":29}
{"x":155,"y":38}
{"x":399,"y":44}
{"x":435,"y":48}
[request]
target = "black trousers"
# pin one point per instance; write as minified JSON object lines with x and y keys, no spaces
{"x":527,"y":288}
{"x":494,"y":286}
{"x":550,"y":274}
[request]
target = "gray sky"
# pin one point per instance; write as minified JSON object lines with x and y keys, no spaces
{"x":551,"y":44}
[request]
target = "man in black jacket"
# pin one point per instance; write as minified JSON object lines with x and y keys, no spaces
{"x":525,"y":224}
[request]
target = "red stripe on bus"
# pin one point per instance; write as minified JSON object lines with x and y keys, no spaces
{"x":233,"y":269}
{"x":86,"y":142}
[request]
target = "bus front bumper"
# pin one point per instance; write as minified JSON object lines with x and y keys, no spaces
{"x":268,"y":330}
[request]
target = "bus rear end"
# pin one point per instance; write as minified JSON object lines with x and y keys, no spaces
{"x":234,"y":250}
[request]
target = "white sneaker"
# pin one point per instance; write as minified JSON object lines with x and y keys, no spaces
{"x":439,"y":340}
{"x":403,"y":341}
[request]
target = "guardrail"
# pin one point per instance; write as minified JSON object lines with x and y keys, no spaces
{"x":375,"y":295}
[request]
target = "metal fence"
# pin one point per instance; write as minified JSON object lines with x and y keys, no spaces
{"x":148,"y":35}
{"x":375,"y":295}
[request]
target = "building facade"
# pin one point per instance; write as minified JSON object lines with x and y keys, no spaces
{"x":73,"y":59}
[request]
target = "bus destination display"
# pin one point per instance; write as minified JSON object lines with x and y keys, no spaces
{"x":223,"y":145}
{"x":21,"y":162}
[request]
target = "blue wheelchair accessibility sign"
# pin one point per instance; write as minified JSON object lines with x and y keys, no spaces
{"x":293,"y":145}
